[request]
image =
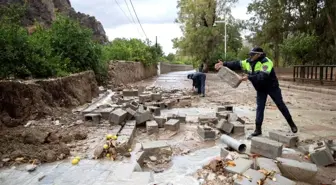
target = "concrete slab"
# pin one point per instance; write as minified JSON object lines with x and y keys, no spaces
{"x":288,"y":139}
{"x":242,"y":165}
{"x":267,"y":164}
{"x":172,"y":125}
{"x":229,"y":76}
{"x":254,"y":176}
{"x":298,"y":171}
{"x":149,"y":146}
{"x":266,"y":147}
{"x":280,"y":180}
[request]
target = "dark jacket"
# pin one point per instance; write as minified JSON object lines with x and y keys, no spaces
{"x":197,"y":78}
{"x":261,"y":81}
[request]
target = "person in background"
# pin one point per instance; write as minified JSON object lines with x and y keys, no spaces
{"x":262,"y":76}
{"x":198,"y":79}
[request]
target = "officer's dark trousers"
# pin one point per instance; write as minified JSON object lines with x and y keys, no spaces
{"x":201,"y":86}
{"x":276,"y":96}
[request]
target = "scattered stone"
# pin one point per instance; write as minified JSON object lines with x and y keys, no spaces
{"x":320,"y":154}
{"x":92,"y":117}
{"x":238,"y":128}
{"x":279,"y":180}
{"x":206,"y":133}
{"x":224,"y":153}
{"x":207,"y":120}
{"x":145,"y":98}
{"x":5,"y":160}
{"x":295,"y":170}
{"x":130,"y":92}
{"x":31,"y":167}
{"x":229,"y":76}
{"x":118,"y":116}
{"x":152,"y":127}
{"x":267,"y":164}
{"x":156,"y":96}
{"x":250,"y":177}
{"x":153,"y":158}
{"x":160,"y":120}
{"x":241,"y":166}
{"x":266,"y":147}
{"x":172,"y":125}
{"x":142,"y":116}
{"x":289,"y":139}
{"x":225,"y":126}
{"x":154,"y":110}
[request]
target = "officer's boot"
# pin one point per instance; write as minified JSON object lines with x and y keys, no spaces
{"x":293,"y":126}
{"x":257,"y":131}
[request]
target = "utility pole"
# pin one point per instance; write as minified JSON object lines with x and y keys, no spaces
{"x":156,"y":42}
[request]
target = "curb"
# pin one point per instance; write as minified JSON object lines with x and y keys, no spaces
{"x":311,"y":89}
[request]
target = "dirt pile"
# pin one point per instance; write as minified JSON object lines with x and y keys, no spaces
{"x":21,"y":101}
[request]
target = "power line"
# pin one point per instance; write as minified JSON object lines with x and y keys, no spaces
{"x":130,"y":12}
{"x":138,"y":19}
{"x":123,"y":11}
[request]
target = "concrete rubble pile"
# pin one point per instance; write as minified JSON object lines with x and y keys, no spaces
{"x":129,"y":108}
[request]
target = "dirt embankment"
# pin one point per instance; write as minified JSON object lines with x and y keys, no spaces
{"x":21,"y":101}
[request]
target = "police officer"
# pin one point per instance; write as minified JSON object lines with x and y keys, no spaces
{"x":261,"y":74}
{"x":198,"y":79}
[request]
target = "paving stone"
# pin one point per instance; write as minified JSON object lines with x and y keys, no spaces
{"x":160,"y":120}
{"x":92,"y":117}
{"x":142,"y":116}
{"x":222,"y":115}
{"x":206,"y":133}
{"x":104,"y":112}
{"x":290,"y":140}
{"x":156,"y":96}
{"x":266,"y":147}
{"x":238,"y":128}
{"x":172,"y":125}
{"x":241,"y":166}
{"x":152,"y":127}
{"x":118,"y":116}
{"x":145,"y":98}
{"x":320,"y":154}
{"x":130,"y":113}
{"x":207,"y":120}
{"x":229,"y":76}
{"x":130,"y":92}
{"x":224,"y":152}
{"x":225,"y":126}
{"x":280,"y":180}
{"x":154,"y":110}
{"x":267,"y":164}
{"x":253,"y":174}
{"x":298,"y":171}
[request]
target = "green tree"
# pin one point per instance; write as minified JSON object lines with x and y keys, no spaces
{"x":170,"y":57}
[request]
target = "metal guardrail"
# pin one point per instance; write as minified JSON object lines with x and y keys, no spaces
{"x":325,"y":73}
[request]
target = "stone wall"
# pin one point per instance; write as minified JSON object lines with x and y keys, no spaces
{"x":21,"y":101}
{"x":123,"y":72}
{"x":166,"y":67}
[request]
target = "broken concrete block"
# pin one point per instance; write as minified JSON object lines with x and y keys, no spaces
{"x":320,"y":154}
{"x":289,"y":139}
{"x":224,"y":126}
{"x":142,"y":116}
{"x":207,"y":120}
{"x":224,"y":153}
{"x":232,"y":117}
{"x":154,"y":110}
{"x":266,"y":147}
{"x":222,"y":115}
{"x":241,"y":166}
{"x":267,"y":164}
{"x":238,"y":128}
{"x":229,"y":76}
{"x":160,"y":120}
{"x":206,"y":133}
{"x":104,"y":112}
{"x":130,"y":92}
{"x":92,"y":117}
{"x":152,"y":127}
{"x":156,"y":148}
{"x":117,"y":116}
{"x":172,"y":125}
{"x":145,"y":98}
{"x":156,"y":96}
{"x":298,"y":171}
{"x":250,"y":177}
{"x":130,"y":113}
{"x":280,"y":180}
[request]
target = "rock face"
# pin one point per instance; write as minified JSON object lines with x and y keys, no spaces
{"x":44,"y":12}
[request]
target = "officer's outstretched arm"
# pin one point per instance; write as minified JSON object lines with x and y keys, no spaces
{"x":263,"y":74}
{"x":233,"y":65}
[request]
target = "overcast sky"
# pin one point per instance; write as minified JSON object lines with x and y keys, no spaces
{"x":156,"y":16}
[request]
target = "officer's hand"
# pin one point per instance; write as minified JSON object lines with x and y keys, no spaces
{"x":219,"y":65}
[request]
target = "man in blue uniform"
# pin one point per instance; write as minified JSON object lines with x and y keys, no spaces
{"x":262,"y":76}
{"x":198,"y":79}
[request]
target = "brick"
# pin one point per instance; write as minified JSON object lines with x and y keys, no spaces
{"x":172,"y":125}
{"x":92,"y":117}
{"x":232,"y":117}
{"x":142,"y":116}
{"x":154,"y":110}
{"x":298,"y":171}
{"x":320,"y":154}
{"x":267,"y":164}
{"x":289,"y":139}
{"x":117,"y":116}
{"x":224,"y":152}
{"x":225,"y":126}
{"x":222,"y":115}
{"x":104,"y":112}
{"x":206,"y":133}
{"x":156,"y":96}
{"x":253,"y":174}
{"x":229,"y":77}
{"x":130,"y":92}
{"x":266,"y":147}
{"x":160,"y":120}
{"x":130,"y":113}
{"x":241,"y":166}
{"x":145,"y":98}
{"x":238,"y":128}
{"x":280,"y":180}
{"x":208,"y":120}
{"x":152,"y":127}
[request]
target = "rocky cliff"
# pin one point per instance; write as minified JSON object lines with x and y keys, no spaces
{"x":44,"y":11}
